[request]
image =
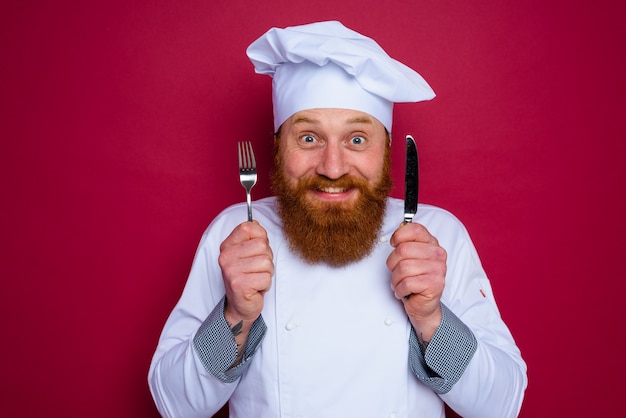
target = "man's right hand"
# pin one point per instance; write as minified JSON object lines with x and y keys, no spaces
{"x":246,"y":260}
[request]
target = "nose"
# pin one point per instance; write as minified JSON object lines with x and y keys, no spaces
{"x":333,"y":163}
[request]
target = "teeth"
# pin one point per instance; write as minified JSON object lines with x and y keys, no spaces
{"x":333,"y":190}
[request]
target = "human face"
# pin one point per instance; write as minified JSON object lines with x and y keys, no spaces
{"x":328,"y":214}
{"x":332,"y":143}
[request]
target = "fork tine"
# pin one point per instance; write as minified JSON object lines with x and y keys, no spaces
{"x":251,"y":156}
{"x":248,"y":162}
{"x":246,"y":154}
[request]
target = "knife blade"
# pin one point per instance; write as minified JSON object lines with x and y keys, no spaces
{"x":411,"y":180}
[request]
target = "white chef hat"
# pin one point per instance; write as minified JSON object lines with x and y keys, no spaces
{"x":326,"y":65}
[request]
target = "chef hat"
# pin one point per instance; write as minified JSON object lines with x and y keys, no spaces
{"x":326,"y":65}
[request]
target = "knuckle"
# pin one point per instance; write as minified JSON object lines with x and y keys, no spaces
{"x":223,"y":259}
{"x":402,"y":250}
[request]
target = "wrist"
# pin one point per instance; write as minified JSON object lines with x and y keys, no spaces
{"x":426,"y":327}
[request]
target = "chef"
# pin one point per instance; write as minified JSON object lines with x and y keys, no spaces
{"x":326,"y":305}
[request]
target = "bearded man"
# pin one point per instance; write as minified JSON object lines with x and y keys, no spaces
{"x":323,"y":306}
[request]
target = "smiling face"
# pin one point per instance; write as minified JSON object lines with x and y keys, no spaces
{"x":332,"y":144}
{"x":332,"y":179}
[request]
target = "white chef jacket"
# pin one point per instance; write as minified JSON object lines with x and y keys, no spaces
{"x":336,"y":340}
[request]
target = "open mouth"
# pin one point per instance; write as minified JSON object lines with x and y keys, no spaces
{"x":333,"y":194}
{"x":333,"y":190}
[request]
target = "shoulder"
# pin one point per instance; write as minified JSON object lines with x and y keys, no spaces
{"x":441,"y":223}
{"x":427,"y":215}
{"x":263,"y":210}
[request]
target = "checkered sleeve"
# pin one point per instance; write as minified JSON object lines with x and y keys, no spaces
{"x":215,"y":346}
{"x":448,"y":353}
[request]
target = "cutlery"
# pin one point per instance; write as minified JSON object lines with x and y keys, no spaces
{"x":247,"y":171}
{"x":411,"y":180}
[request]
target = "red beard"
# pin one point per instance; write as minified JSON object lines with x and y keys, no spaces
{"x":334,"y":233}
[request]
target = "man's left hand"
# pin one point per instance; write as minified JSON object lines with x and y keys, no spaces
{"x":418,"y":271}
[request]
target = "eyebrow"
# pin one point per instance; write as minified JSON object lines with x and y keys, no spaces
{"x":359,"y":119}
{"x":304,"y":119}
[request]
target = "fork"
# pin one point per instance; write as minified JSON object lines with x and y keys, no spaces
{"x":247,"y":171}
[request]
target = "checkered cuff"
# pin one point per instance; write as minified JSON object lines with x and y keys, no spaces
{"x":447,"y":355}
{"x":214,"y":344}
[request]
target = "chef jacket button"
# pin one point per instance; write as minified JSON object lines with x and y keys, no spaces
{"x":388,"y":321}
{"x":382,"y":239}
{"x":290,"y":326}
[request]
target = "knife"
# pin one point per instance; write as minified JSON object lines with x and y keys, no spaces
{"x":411,"y":180}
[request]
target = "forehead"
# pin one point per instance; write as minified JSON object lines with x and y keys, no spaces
{"x":332,"y":118}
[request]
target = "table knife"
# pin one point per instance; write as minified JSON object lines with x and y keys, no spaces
{"x":411,"y":180}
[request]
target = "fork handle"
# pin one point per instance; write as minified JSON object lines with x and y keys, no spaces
{"x":249,"y":199}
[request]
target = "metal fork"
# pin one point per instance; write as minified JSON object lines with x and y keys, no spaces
{"x":247,"y":171}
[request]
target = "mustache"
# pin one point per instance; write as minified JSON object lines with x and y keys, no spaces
{"x":323,"y":183}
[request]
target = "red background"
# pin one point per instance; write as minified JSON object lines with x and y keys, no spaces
{"x":118,"y":127}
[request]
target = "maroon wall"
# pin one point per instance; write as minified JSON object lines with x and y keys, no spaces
{"x":118,"y":126}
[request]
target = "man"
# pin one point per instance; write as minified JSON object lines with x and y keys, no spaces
{"x":324,"y":306}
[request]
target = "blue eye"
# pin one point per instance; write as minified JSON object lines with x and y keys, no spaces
{"x":308,"y":139}
{"x":357,"y":140}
